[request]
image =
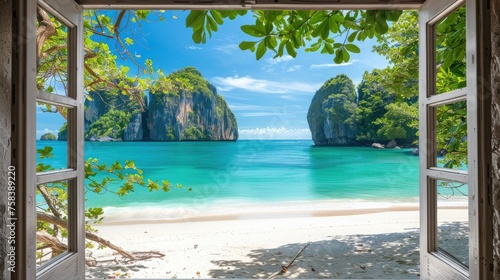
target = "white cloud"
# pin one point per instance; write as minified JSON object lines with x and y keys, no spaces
{"x":268,"y":133}
{"x":260,"y":114}
{"x":279,"y":59}
{"x":263,"y":86}
{"x":329,"y":65}
{"x":46,"y":130}
{"x":289,"y":97}
{"x":244,"y":107}
{"x":294,"y":68}
{"x":193,"y":47}
{"x":228,"y":49}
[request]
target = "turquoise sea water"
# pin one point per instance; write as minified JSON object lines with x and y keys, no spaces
{"x":232,"y":174}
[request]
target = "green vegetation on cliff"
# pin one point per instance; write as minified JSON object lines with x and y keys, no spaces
{"x":193,"y":82}
{"x":193,"y":133}
{"x":331,"y":113}
{"x":110,"y":124}
{"x":195,"y":112}
{"x":383,"y":114}
{"x":62,"y":135}
{"x":388,"y":98}
{"x":48,"y":136}
{"x":190,"y":110}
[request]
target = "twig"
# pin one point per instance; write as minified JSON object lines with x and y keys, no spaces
{"x":285,"y":268}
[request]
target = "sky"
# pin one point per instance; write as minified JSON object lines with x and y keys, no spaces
{"x":270,"y":97}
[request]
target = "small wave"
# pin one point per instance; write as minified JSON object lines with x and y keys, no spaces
{"x":237,"y":208}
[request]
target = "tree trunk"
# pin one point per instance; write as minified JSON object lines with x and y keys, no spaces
{"x":495,"y":135}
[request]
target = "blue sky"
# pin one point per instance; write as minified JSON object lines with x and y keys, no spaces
{"x":269,"y":97}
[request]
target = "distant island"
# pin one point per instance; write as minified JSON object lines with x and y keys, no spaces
{"x":197,"y":114}
{"x":338,"y":116}
{"x":48,"y":137}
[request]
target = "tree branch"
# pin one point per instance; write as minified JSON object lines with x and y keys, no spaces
{"x":118,"y":21}
{"x":109,"y":83}
{"x":45,"y":29}
{"x":41,"y":216}
{"x":52,"y":242}
{"x":49,"y":200}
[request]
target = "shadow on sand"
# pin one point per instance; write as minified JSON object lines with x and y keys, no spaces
{"x":396,"y":255}
{"x":375,"y":256}
{"x":393,"y":256}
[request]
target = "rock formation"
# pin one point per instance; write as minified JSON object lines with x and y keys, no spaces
{"x":195,"y":114}
{"x":48,"y":136}
{"x":331,"y":113}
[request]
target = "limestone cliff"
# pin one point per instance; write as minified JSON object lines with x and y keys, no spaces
{"x":195,"y":114}
{"x":331,"y":112}
{"x":134,"y":130}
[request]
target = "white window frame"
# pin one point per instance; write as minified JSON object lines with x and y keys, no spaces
{"x":72,"y":265}
{"x":435,"y":264}
{"x":69,"y":265}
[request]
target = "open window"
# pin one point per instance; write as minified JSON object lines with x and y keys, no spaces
{"x":461,"y":114}
{"x":62,"y":61}
{"x":437,"y":260}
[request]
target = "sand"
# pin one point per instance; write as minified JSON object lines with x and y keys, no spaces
{"x":352,"y":244}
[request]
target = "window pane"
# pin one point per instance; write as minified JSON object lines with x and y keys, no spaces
{"x":52,"y":54}
{"x":52,"y":221}
{"x":452,"y":220}
{"x":51,"y":135}
{"x":452,"y":136}
{"x":450,"y":52}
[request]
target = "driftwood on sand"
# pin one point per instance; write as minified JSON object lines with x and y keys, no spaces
{"x":285,"y":268}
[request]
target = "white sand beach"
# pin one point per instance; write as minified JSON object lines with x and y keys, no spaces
{"x":349,"y":244}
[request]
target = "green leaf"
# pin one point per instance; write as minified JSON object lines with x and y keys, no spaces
{"x":381,"y":24}
{"x":346,"y":56}
{"x":319,"y":29}
{"x":338,"y":17}
{"x":314,"y":47}
{"x":329,"y":49}
{"x":245,"y":45}
{"x":197,"y":36}
{"x":352,"y":48}
{"x":261,"y":50}
{"x":217,"y":16}
{"x":291,"y":50}
{"x":338,"y":57}
{"x":334,"y":26}
{"x":193,"y":17}
{"x":319,"y":16}
{"x":45,"y":152}
{"x":352,"y":36}
{"x":129,"y":41}
{"x":211,"y":22}
{"x":272,"y":43}
{"x":129,"y":164}
{"x":252,"y":30}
